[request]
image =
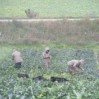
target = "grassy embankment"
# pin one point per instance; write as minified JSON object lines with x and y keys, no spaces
{"x":60,"y":33}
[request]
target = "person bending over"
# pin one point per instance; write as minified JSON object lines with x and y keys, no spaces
{"x":17,"y":57}
{"x":74,"y":66}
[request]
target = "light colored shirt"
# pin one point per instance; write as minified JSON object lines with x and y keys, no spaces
{"x":46,"y":55}
{"x":17,"y":56}
{"x":73,"y":63}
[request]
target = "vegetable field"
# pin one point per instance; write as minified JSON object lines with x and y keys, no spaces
{"x":83,"y":85}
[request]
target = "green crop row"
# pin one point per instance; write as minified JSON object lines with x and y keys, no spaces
{"x":80,"y":86}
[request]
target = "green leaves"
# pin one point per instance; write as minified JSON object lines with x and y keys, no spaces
{"x":80,"y":86}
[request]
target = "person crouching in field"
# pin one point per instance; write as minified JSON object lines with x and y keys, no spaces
{"x":16,"y":56}
{"x":46,"y":57}
{"x":74,"y":66}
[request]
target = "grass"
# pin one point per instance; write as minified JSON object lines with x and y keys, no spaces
{"x":79,"y":33}
{"x":12,"y":86}
{"x":4,"y":52}
{"x":50,"y":8}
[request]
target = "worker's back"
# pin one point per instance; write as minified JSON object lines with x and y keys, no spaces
{"x":72,"y":62}
{"x":17,"y":56}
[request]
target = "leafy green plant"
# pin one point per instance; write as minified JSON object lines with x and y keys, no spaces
{"x":80,"y":86}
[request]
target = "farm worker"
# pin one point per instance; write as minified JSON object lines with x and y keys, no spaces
{"x":46,"y":57}
{"x":16,"y":56}
{"x":74,"y":65}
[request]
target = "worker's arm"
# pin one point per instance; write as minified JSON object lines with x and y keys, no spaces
{"x":79,"y":66}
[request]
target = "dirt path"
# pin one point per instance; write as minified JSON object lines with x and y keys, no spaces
{"x":44,"y":20}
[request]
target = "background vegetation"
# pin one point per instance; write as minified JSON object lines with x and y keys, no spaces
{"x":50,"y":8}
{"x":84,"y":32}
{"x":65,"y":38}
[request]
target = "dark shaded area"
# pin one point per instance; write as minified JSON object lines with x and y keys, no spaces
{"x":23,"y":75}
{"x":58,"y":79}
{"x":39,"y":78}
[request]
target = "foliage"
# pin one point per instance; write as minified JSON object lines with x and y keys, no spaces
{"x":50,"y":8}
{"x":84,"y":32}
{"x":80,"y":86}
